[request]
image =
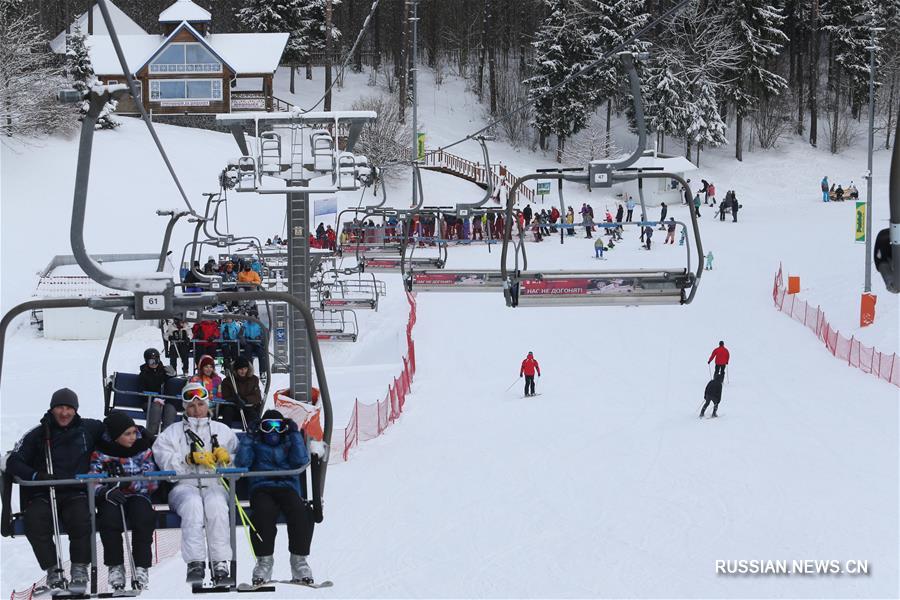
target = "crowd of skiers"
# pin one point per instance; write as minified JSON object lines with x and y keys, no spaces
{"x":244,"y":272}
{"x":65,"y":445}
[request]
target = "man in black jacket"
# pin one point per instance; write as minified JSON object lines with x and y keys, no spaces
{"x":713,"y":393}
{"x":71,"y":441}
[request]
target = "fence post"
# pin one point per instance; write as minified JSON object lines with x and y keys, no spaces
{"x":850,"y":353}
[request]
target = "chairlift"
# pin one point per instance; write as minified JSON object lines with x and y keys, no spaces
{"x":270,"y":161}
{"x":323,"y":151}
{"x":886,"y":252}
{"x":336,"y":325}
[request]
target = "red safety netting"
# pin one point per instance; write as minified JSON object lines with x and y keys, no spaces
{"x":864,"y":358}
{"x":166,"y":543}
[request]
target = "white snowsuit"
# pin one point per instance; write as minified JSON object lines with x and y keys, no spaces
{"x":170,"y":451}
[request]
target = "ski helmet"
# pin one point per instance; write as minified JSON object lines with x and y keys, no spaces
{"x":151,"y":353}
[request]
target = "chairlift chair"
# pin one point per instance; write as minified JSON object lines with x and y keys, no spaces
{"x":270,"y":161}
{"x":336,"y":325}
{"x":323,"y":154}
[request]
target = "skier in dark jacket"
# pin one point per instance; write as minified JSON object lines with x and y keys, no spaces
{"x":275,"y":444}
{"x":71,"y":441}
{"x":620,"y":213}
{"x":734,"y":207}
{"x":527,"y":212}
{"x":124,"y":450}
{"x":663,"y":211}
{"x":712,"y":393}
{"x":153,"y":378}
{"x":248,"y":394}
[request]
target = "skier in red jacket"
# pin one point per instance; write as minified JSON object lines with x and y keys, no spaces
{"x":721,"y":355}
{"x":529,"y":366}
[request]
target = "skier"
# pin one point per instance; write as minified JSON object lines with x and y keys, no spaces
{"x":711,"y":191}
{"x":620,"y":213}
{"x":825,"y":189}
{"x":246,"y":397}
{"x":230,"y":333}
{"x":712,"y":393}
{"x":704,"y":190}
{"x":152,"y":378}
{"x":529,"y":366}
{"x":202,"y":504}
{"x":734,"y":208}
{"x":683,"y":236}
{"x":629,"y":204}
{"x":208,"y":378}
{"x":721,"y":355}
{"x":275,"y":444}
{"x":724,"y":206}
{"x":598,"y":247}
{"x":527,"y":213}
{"x":709,"y":261}
{"x":587,"y":220}
{"x":648,"y":232}
{"x":663,"y":211}
{"x":67,"y":440}
{"x":124,"y":451}
{"x":670,"y":231}
{"x":178,"y":335}
{"x":252,"y":343}
{"x":697,"y":204}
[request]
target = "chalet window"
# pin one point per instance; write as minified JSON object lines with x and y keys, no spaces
{"x":186,"y":58}
{"x":185,"y":89}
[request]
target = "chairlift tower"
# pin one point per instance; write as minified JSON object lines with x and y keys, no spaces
{"x":298,"y":155}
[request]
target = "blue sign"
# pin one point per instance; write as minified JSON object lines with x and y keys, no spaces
{"x":325,"y":206}
{"x":280,"y":335}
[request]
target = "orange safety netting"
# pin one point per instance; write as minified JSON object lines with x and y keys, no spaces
{"x":864,"y":358}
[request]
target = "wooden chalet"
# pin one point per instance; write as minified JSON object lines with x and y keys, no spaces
{"x":187,"y":69}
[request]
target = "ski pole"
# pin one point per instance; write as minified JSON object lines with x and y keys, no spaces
{"x":244,"y":517}
{"x":512,"y":384}
{"x":53,"y":509}
{"x":128,"y":547}
{"x":709,"y":370}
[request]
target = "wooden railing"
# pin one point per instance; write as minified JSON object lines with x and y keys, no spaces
{"x":475,"y":172}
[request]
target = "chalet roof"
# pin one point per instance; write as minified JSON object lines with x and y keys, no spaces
{"x":242,"y":52}
{"x":186,"y":26}
{"x":185,"y":10}
{"x":122,"y":22}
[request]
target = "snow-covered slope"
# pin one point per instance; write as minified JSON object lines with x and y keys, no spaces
{"x":605,"y":485}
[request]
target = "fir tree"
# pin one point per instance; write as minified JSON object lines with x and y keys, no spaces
{"x":562,"y":48}
{"x":758,"y":33}
{"x":81,"y":73}
{"x":278,"y":16}
{"x":665,"y":102}
{"x":704,"y":124}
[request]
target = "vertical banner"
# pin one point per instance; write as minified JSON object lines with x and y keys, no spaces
{"x":860,"y":221}
{"x":420,"y":146}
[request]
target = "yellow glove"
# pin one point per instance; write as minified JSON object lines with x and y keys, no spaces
{"x":221,"y":455}
{"x":202,"y":458}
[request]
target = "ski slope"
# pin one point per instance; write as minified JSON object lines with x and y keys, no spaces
{"x":606,"y":485}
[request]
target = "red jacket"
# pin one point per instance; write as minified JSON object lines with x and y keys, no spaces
{"x":720,"y":354}
{"x":529,"y":366}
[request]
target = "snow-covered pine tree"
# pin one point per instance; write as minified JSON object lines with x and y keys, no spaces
{"x":849,"y":81}
{"x":80,"y":71}
{"x":279,"y":16}
{"x":311,"y":39}
{"x":704,"y":125}
{"x":758,"y":32}
{"x":611,"y":22}
{"x":562,"y":47}
{"x":665,"y":102}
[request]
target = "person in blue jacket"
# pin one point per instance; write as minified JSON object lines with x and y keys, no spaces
{"x":252,"y":342}
{"x":276,"y":444}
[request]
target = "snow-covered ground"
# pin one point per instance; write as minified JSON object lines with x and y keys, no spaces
{"x":607,"y":484}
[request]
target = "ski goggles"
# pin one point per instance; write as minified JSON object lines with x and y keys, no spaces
{"x":270,"y":425}
{"x":195,"y":393}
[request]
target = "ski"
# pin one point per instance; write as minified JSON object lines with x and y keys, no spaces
{"x":120,"y":594}
{"x":315,"y":586}
{"x":262,"y":587}
{"x":47,"y":592}
{"x":531,"y":395}
{"x":221,"y":588}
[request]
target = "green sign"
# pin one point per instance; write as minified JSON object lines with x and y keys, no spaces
{"x":420,"y":146}
{"x":860,"y":221}
{"x":543,"y":188}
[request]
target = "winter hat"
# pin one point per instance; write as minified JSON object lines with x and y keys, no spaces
{"x":206,"y":358}
{"x":64,"y":397}
{"x":192,"y":390}
{"x":241,"y":363}
{"x":117,"y":422}
{"x":272,"y":414}
{"x":530,"y":353}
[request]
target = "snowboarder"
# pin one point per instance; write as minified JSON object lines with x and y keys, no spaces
{"x":709,"y":261}
{"x":67,"y":440}
{"x":721,"y":356}
{"x":124,"y":451}
{"x":275,"y":444}
{"x":202,"y":504}
{"x":529,"y":367}
{"x":825,"y":189}
{"x":712,"y":393}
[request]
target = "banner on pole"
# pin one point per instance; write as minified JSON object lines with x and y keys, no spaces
{"x":325,"y":206}
{"x":420,"y":146}
{"x":860,"y":221}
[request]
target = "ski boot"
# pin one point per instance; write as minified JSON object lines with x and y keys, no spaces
{"x":141,"y":580}
{"x":300,"y":570}
{"x":116,"y":577}
{"x":79,"y":578}
{"x":55,"y":579}
{"x":221,"y":572}
{"x":262,"y":572}
{"x":196,"y":570}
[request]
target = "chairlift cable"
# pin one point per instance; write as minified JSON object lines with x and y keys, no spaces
{"x":132,"y":86}
{"x":585,"y":69}
{"x":340,"y":74}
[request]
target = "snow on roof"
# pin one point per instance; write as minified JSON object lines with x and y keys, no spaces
{"x":137,"y":49}
{"x":672,"y":164}
{"x":244,"y":52}
{"x":250,"y":52}
{"x":122,"y":23}
{"x":184,"y":10}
